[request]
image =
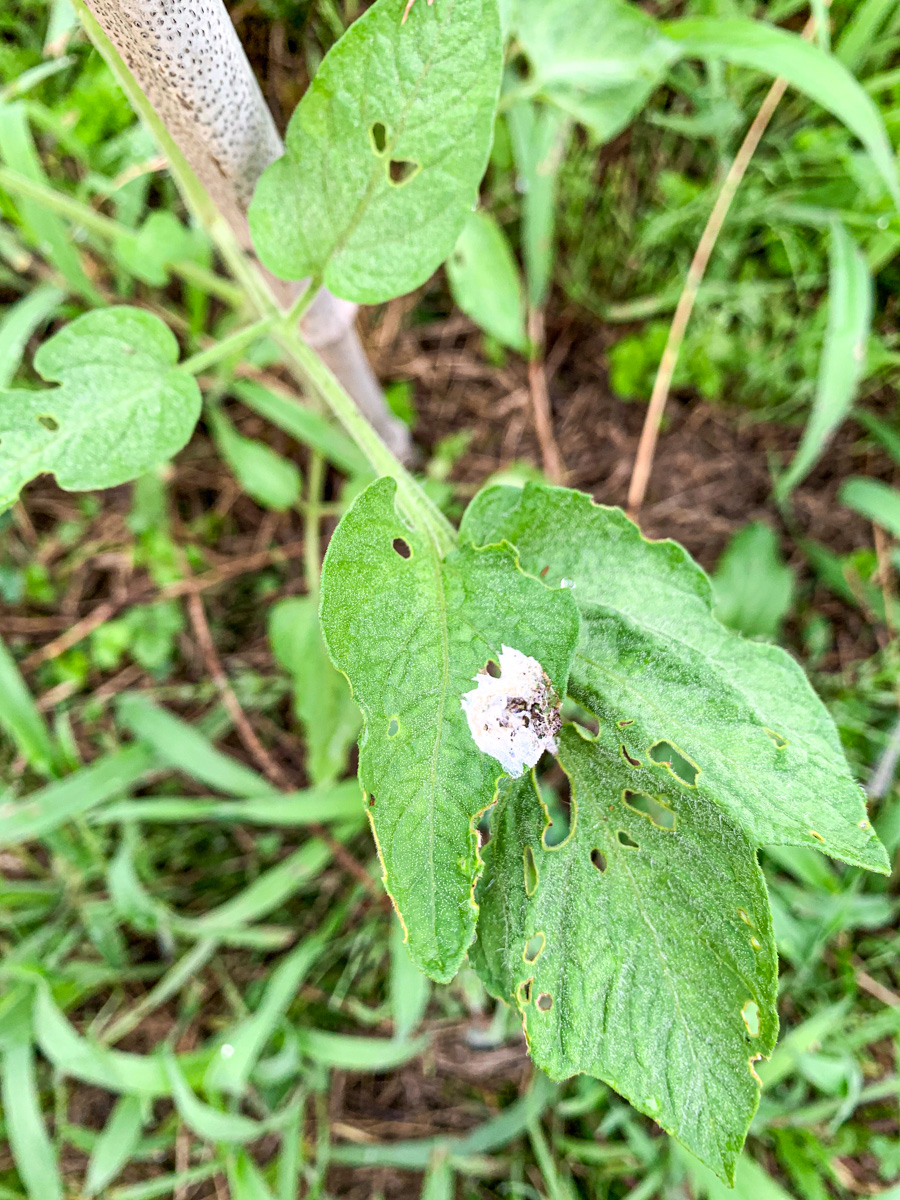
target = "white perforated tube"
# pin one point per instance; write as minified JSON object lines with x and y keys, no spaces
{"x":188,"y":60}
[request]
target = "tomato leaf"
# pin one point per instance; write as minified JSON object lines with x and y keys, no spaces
{"x":410,"y":631}
{"x":640,"y":950}
{"x":385,"y":152}
{"x":699,"y":705}
{"x":122,"y":407}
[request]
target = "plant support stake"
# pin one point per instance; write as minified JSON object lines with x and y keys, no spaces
{"x":189,"y":62}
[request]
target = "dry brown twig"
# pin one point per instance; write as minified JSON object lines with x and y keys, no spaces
{"x":643,"y":464}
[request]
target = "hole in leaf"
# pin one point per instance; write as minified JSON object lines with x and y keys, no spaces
{"x":750,"y":1013}
{"x":49,"y":423}
{"x":393,"y":727}
{"x":401,"y":171}
{"x":534,"y":948}
{"x":492,"y":669}
{"x":531,"y":872}
{"x":817,"y":836}
{"x":624,"y":724}
{"x":632,"y":762}
{"x":676,"y":763}
{"x":545,"y":1002}
{"x":402,"y":548}
{"x":379,"y":137}
{"x":780,"y":742}
{"x":545,"y":572}
{"x":651,"y":807}
{"x":523,"y":993}
{"x":556,"y":794}
{"x":371,"y":800}
{"x":755,"y":943}
{"x":625,"y":840}
{"x":598,"y":858}
{"x":744,"y":918}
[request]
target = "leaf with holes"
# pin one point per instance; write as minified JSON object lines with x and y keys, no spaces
{"x":736,"y":721}
{"x":122,"y":406}
{"x":411,"y":630}
{"x":640,"y":950}
{"x":385,"y":152}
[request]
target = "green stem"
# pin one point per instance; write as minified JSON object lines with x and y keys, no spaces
{"x":233,"y":344}
{"x":300,"y":307}
{"x":112,"y":230}
{"x":416,"y":505}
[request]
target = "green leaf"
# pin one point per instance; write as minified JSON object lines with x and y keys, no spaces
{"x":67,"y":799}
{"x":44,"y":228}
{"x":19,"y":323}
{"x":322,"y":701}
{"x":851,"y":295}
{"x":874,"y":500}
{"x":161,"y":241}
{"x":207,"y":1122}
{"x":484,"y":279}
{"x":245,"y":1180}
{"x":385,"y":151}
{"x":640,"y":950}
{"x":411,"y":631}
{"x":753,"y":585}
{"x":121,"y":410}
{"x":410,"y":989}
{"x":539,"y":135}
{"x":271,"y":480}
{"x":737,"y":720}
{"x":116,"y":1144}
{"x":806,"y":67}
{"x":21,"y":719}
{"x":598,"y":60}
{"x":34,"y":1153}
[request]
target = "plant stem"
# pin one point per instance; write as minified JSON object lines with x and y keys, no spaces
{"x":416,"y":505}
{"x":233,"y":344}
{"x":299,"y":308}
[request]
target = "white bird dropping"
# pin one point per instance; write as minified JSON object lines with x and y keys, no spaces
{"x":515,"y":716}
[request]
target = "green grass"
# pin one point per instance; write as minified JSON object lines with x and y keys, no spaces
{"x":202,"y":991}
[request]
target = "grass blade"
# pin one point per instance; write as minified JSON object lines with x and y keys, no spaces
{"x":115,"y":1145}
{"x":339,"y":803}
{"x":306,"y":426}
{"x":183,"y":747}
{"x":351,"y":1053}
{"x":20,"y":718}
{"x":43,"y":227}
{"x":247,"y":1040}
{"x":34,"y":1153}
{"x":410,"y":989}
{"x":805,"y":66}
{"x":875,"y":500}
{"x":207,"y":1122}
{"x":850,"y":303}
{"x":19,"y":322}
{"x":57,"y":803}
{"x":865,"y":24}
{"x":245,"y":1179}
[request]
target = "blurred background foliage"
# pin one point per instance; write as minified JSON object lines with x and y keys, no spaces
{"x":202,"y":991}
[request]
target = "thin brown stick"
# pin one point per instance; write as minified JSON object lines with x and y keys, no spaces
{"x":551,"y":459}
{"x":643,"y":464}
